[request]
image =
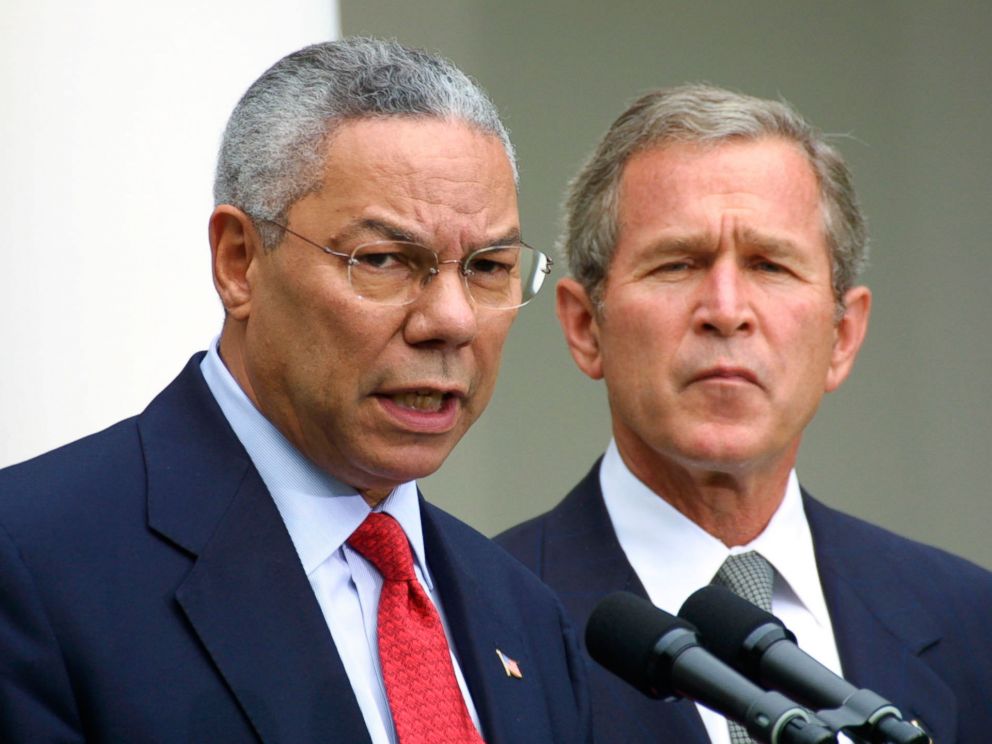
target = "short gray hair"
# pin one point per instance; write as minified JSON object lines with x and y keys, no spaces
{"x":275,"y":142}
{"x":703,"y":114}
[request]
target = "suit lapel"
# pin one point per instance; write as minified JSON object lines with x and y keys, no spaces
{"x":478,"y":628}
{"x":881,"y":632}
{"x":246,"y":598}
{"x":263,"y":628}
{"x":584,"y":562}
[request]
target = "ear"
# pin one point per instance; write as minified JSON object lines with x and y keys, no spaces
{"x":849,"y":335}
{"x":578,"y":319}
{"x":234,"y":244}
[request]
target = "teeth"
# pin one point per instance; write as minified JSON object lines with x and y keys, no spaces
{"x":420,"y":400}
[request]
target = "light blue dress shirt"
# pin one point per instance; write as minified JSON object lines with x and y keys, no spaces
{"x":320,"y":514}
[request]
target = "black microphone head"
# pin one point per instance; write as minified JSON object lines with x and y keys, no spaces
{"x":621,"y":635}
{"x":724,"y":622}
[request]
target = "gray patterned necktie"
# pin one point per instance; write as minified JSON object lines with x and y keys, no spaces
{"x":750,"y":576}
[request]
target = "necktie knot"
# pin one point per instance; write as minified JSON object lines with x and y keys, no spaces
{"x":750,"y":576}
{"x":382,"y":542}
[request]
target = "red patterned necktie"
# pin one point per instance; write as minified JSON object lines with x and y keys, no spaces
{"x":424,"y":696}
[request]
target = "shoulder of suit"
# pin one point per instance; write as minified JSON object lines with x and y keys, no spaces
{"x":577,"y":500}
{"x":929,"y":569}
{"x":525,"y":541}
{"x":80,"y":470}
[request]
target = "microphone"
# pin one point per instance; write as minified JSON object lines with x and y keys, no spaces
{"x":759,"y":645}
{"x":659,"y":654}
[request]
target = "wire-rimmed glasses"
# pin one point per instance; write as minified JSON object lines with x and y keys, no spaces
{"x":395,"y":272}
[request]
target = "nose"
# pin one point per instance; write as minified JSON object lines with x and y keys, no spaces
{"x":724,"y":305}
{"x":443,"y":315}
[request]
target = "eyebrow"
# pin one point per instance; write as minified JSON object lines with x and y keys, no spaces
{"x":390,"y":231}
{"x":693,"y":243}
{"x":378,"y":228}
{"x":768,"y":243}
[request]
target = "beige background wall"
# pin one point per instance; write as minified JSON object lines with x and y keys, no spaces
{"x":906,"y":442}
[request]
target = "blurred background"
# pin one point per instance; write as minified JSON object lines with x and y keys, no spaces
{"x":907,"y":87}
{"x":112,"y":115}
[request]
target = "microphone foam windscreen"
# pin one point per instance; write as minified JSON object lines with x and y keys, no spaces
{"x":621,"y":635}
{"x":724,"y":620}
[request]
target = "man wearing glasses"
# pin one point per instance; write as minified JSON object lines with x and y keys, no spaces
{"x":249,"y":558}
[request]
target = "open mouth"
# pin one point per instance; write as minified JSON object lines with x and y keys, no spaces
{"x":430,"y":401}
{"x":424,"y":410}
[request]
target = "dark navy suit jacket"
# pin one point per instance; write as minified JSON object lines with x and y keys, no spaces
{"x":911,"y":622}
{"x":149,"y":592}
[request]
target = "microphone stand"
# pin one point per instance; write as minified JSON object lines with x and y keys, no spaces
{"x":868,"y":718}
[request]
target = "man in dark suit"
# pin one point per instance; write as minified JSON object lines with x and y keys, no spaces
{"x":714,"y":242}
{"x":249,"y":559}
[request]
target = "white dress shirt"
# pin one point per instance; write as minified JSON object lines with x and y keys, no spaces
{"x":320,"y":514}
{"x":673,"y":557}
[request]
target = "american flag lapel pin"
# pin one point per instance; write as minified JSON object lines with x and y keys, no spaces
{"x":510,"y":666}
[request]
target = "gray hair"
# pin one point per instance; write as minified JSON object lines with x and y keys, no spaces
{"x":703,"y":114}
{"x":275,"y":142}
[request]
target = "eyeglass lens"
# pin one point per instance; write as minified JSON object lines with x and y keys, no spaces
{"x":394,"y":272}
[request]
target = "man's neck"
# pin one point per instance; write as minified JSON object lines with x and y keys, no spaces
{"x":734,"y":504}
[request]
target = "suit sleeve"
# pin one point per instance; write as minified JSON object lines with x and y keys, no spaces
{"x":36,"y":700}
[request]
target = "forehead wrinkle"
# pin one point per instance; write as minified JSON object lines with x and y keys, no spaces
{"x":465,"y":216}
{"x":459,"y":181}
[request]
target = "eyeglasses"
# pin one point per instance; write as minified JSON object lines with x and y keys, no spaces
{"x":395,"y":272}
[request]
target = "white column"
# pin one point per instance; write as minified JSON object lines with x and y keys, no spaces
{"x":112,"y":112}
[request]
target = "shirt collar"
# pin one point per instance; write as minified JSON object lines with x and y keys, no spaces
{"x":320,"y":511}
{"x":787,"y":544}
{"x":673,"y":556}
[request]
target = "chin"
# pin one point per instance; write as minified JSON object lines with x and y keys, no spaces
{"x":414,"y":462}
{"x":724,"y":453}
